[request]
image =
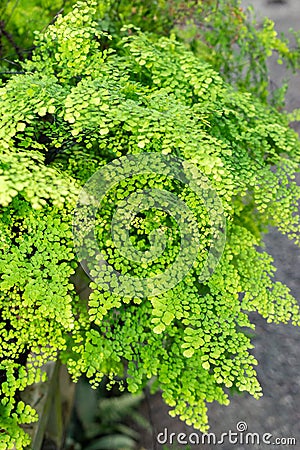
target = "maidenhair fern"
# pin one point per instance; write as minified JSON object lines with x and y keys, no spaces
{"x":84,"y":101}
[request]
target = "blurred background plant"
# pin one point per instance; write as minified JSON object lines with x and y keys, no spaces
{"x":19,"y":20}
{"x":105,"y":420}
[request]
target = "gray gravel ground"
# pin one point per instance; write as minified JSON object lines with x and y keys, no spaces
{"x":277,"y":347}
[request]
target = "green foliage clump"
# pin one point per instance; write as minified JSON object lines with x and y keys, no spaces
{"x":83,"y":101}
{"x":219,"y":31}
{"x":222,"y":33}
{"x":241,"y":48}
{"x":19,"y":22}
{"x":13,"y":411}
